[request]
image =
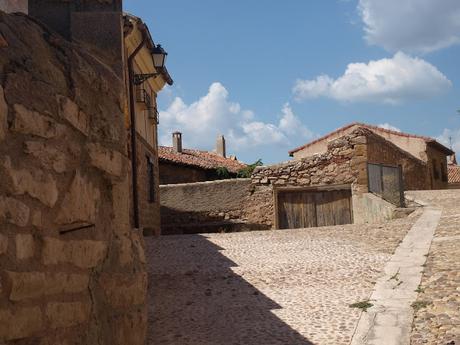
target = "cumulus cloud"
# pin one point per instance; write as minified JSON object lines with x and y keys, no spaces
{"x":386,"y":125}
{"x":450,"y":136}
{"x":213,"y":114}
{"x":418,"y":26}
{"x":392,"y":80}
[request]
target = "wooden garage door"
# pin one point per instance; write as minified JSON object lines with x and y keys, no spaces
{"x":306,"y":209}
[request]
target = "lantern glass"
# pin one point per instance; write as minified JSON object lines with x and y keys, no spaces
{"x":159,"y":56}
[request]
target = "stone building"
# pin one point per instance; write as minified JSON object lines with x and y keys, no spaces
{"x":72,"y":268}
{"x":149,"y":80}
{"x":426,"y":149}
{"x":334,"y":187}
{"x":179,"y":165}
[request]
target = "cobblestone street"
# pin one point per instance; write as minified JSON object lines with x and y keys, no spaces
{"x":437,"y":310}
{"x":274,"y":287}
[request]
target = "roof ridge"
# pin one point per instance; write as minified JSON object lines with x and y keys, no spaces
{"x":365,"y":125}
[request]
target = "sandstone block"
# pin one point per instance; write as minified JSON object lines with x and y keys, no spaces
{"x":3,"y":244}
{"x":71,"y":112}
{"x":121,"y":207}
{"x":3,"y":114}
{"x":125,"y":256}
{"x":83,"y":254}
{"x":138,"y":242}
{"x":30,"y":122}
{"x":124,"y":291}
{"x":25,"y":246}
{"x":62,"y":315}
{"x":14,"y":211}
{"x":107,"y":160}
{"x":80,"y":203}
{"x":131,"y":328}
{"x":50,"y":157}
{"x":37,"y":219}
{"x":20,"y":323}
{"x":26,"y":285}
{"x":37,"y":184}
{"x":361,"y":150}
{"x":33,"y":285}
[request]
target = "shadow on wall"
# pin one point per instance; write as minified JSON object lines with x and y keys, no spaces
{"x":195,"y":298}
{"x":177,"y":222}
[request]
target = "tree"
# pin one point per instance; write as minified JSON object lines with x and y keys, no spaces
{"x":247,"y":172}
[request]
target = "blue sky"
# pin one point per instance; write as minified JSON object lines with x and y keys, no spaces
{"x":273,"y":75}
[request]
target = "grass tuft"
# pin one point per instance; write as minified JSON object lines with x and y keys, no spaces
{"x":363,"y":305}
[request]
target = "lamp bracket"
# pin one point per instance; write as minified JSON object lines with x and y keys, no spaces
{"x":140,"y":78}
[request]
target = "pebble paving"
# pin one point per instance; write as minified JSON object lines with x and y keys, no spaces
{"x":437,"y":311}
{"x":262,"y":288}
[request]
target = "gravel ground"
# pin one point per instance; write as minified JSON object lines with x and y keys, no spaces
{"x":437,"y":313}
{"x":261,"y":288}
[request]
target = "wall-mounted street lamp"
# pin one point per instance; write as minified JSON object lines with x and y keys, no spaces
{"x":159,"y":59}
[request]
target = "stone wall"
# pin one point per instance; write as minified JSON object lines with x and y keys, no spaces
{"x":149,"y":210}
{"x":206,"y":207}
{"x":71,"y":269}
{"x":343,"y":163}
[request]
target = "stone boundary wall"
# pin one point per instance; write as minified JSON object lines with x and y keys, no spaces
{"x":205,"y":206}
{"x":72,"y":271}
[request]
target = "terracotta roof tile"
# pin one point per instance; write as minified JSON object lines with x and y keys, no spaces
{"x":454,"y":173}
{"x":359,"y":124}
{"x":202,"y":159}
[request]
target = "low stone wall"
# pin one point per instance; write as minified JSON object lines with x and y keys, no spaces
{"x":343,"y":163}
{"x":370,"y":208}
{"x":72,"y":271}
{"x":206,"y":207}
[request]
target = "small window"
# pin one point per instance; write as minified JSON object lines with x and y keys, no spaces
{"x":150,"y":180}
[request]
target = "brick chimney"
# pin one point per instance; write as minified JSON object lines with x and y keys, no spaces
{"x":177,"y":141}
{"x":220,"y":146}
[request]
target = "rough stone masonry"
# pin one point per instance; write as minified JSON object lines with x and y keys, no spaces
{"x":72,"y":271}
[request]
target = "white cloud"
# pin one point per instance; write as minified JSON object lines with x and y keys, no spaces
{"x":411,"y":25}
{"x":451,"y":136}
{"x":213,"y":114}
{"x":386,"y":125}
{"x":391,"y":80}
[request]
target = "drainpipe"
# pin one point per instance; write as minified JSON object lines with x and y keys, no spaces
{"x":132,"y":112}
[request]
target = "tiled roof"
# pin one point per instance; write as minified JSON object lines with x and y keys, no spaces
{"x":454,"y":173}
{"x":202,"y":159}
{"x":371,"y":127}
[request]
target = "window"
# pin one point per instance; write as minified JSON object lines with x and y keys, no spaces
{"x":150,"y":180}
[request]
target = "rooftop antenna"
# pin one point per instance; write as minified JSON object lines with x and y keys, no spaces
{"x":450,"y":142}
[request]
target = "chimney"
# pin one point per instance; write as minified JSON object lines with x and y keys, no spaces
{"x":220,"y":146}
{"x":177,"y":141}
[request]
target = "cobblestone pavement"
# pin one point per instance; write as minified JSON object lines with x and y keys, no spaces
{"x":437,"y":312}
{"x":261,"y":288}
